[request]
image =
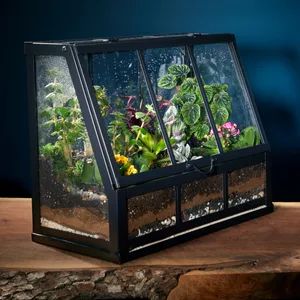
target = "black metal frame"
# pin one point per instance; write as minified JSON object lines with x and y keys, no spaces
{"x":119,"y":188}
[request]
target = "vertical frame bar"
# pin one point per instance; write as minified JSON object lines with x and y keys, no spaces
{"x":225,"y":190}
{"x":205,"y":99}
{"x":268,"y":163}
{"x":34,"y":145}
{"x":155,"y":105}
{"x":119,"y":224}
{"x":178,"y":205}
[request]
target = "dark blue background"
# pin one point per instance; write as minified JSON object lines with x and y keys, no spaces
{"x":267,"y":34}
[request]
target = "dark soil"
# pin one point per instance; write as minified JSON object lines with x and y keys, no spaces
{"x":151,"y":212}
{"x":246,"y":184}
{"x":154,"y":202}
{"x":71,"y":209}
{"x":202,"y":197}
{"x":154,"y":211}
{"x":53,"y":193}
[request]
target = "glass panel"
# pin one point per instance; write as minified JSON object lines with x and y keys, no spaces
{"x":71,"y":191}
{"x":246,"y":184}
{"x":181,"y":104}
{"x":129,"y":116}
{"x":151,"y":212}
{"x":228,"y":98}
{"x":202,"y":197}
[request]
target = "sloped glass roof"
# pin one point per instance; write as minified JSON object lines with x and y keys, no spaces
{"x":170,"y":107}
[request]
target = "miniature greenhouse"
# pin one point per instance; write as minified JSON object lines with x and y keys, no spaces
{"x":140,"y":143}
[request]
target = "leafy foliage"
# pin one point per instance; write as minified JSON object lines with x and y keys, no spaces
{"x":249,"y":137}
{"x":63,"y":120}
{"x":102,"y":99}
{"x":187,"y":122}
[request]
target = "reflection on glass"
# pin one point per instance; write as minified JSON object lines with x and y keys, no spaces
{"x":228,"y":98}
{"x":151,"y":212}
{"x":181,"y":104}
{"x":202,"y":197}
{"x":129,"y":116}
{"x":71,"y":191}
{"x":246,"y":184}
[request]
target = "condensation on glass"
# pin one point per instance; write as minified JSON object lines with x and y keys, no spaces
{"x":128,"y":112}
{"x":151,"y":212}
{"x":72,"y":195}
{"x":180,"y":103}
{"x":228,"y":96}
{"x":201,"y":197}
{"x":246,"y":184}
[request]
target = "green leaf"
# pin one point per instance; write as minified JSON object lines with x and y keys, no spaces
{"x":209,"y":92}
{"x":177,"y":100}
{"x":144,"y":168}
{"x":51,"y":96}
{"x":248,"y":137}
{"x":50,"y":150}
{"x":149,"y":156}
{"x":135,"y":127}
{"x":63,"y":112}
{"x":150,"y":108}
{"x":78,"y":169}
{"x":188,"y":97}
{"x":222,"y":99}
{"x":221,"y":115}
{"x":210,"y":147}
{"x":71,"y":102}
{"x":147,"y":140}
{"x":160,"y":146}
{"x":190,"y":112}
{"x":54,"y":87}
{"x":88,"y":173}
{"x":179,"y":71}
{"x":139,"y":115}
{"x":98,"y":178}
{"x":168,"y":81}
{"x":201,"y":131}
{"x":189,"y":85}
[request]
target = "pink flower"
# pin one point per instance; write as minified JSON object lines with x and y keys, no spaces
{"x":230,"y":128}
{"x":227,"y":130}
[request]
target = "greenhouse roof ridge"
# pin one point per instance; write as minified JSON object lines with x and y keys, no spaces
{"x":124,"y":38}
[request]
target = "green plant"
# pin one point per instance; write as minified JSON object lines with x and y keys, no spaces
{"x":61,"y":115}
{"x":187,"y":113}
{"x":100,"y":93}
{"x":150,"y":148}
{"x":136,"y":139}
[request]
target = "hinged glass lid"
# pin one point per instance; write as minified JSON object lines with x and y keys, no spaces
{"x":167,"y":106}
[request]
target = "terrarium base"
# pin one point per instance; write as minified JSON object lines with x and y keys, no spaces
{"x":156,"y":245}
{"x":241,"y":261}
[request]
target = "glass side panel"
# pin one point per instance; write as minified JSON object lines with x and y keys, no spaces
{"x":151,"y":212}
{"x":246,"y":184}
{"x":125,"y":105}
{"x":228,"y":97}
{"x":72,"y":195}
{"x":181,"y":104}
{"x":201,"y":197}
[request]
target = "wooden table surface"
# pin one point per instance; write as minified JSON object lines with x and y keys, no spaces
{"x":256,"y":259}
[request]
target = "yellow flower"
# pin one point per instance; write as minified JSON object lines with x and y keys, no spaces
{"x":131,"y":170}
{"x":121,"y":159}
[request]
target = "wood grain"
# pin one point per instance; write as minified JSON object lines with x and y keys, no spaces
{"x":252,"y":256}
